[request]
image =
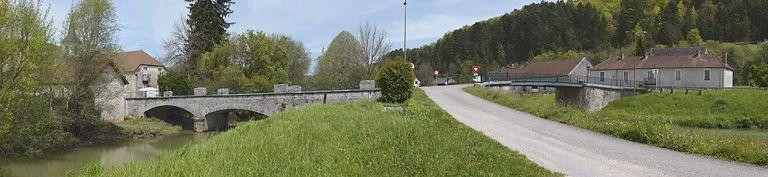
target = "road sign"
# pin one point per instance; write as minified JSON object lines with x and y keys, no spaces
{"x":475,"y":69}
{"x":437,"y":73}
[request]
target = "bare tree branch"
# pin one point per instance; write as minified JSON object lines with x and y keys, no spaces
{"x":374,"y":43}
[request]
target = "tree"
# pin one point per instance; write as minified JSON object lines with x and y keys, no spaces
{"x":254,"y":59}
{"x":642,"y":46}
{"x":670,"y":23}
{"x":633,"y":13}
{"x":707,"y":22}
{"x":297,"y":56}
{"x":90,"y":30}
{"x":343,"y":61}
{"x":176,"y":82}
{"x":694,"y":37}
{"x":207,"y":28}
{"x":175,"y":46}
{"x":27,"y":53}
{"x":375,"y":45}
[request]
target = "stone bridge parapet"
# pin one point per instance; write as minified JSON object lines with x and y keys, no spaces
{"x":205,"y":107}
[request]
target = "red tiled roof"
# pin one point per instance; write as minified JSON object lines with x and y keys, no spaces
{"x":130,"y":61}
{"x":555,"y":67}
{"x":665,"y":58}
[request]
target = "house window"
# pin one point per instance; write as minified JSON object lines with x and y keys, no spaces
{"x":602,"y":76}
{"x":678,"y":75}
{"x":626,"y":75}
{"x":707,"y":74}
{"x":651,"y":75}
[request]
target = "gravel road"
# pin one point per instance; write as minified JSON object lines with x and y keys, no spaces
{"x":574,"y":151}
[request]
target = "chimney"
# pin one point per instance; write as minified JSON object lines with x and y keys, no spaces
{"x":725,"y":60}
{"x":622,"y":56}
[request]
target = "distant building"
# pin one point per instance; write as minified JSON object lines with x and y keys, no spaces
{"x":141,"y":71}
{"x":130,"y":75}
{"x":575,"y":67}
{"x":668,"y":67}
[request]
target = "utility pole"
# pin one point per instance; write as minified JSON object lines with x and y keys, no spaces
{"x":405,"y":31}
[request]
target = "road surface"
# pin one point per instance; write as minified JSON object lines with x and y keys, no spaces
{"x":574,"y":151}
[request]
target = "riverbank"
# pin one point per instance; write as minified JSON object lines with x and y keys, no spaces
{"x":675,"y":121}
{"x":132,"y":130}
{"x":113,"y":154}
{"x":141,"y":127}
{"x":342,"y":140}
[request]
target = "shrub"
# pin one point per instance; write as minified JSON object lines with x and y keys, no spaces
{"x":395,"y":81}
{"x":176,"y":82}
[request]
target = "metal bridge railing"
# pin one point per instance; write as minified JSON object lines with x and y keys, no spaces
{"x":558,"y":78}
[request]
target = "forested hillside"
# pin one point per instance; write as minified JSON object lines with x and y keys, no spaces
{"x":597,"y":29}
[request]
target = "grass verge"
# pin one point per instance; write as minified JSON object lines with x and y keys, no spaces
{"x":626,"y":119}
{"x":342,"y":140}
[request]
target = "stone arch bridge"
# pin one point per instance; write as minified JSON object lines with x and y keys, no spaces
{"x":207,"y":110}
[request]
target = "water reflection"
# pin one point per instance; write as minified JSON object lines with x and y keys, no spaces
{"x":107,"y":155}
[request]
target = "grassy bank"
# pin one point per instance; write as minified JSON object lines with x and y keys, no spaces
{"x":663,"y":120}
{"x":140,"y":127}
{"x":342,"y":140}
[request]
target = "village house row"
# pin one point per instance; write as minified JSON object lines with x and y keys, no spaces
{"x":660,"y":68}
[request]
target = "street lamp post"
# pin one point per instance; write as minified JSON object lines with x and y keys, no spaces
{"x":405,"y":30}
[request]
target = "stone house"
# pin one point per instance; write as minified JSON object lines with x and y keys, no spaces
{"x":142,"y":72}
{"x":668,"y":68}
{"x":123,"y":78}
{"x":109,"y":89}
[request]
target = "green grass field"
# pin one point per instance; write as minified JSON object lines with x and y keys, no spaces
{"x":724,"y":109}
{"x":674,"y":121}
{"x":342,"y":140}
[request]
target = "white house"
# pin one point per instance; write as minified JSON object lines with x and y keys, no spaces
{"x":668,"y":67}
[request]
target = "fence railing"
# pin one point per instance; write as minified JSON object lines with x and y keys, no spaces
{"x":313,"y":86}
{"x":558,"y":78}
{"x":644,"y":84}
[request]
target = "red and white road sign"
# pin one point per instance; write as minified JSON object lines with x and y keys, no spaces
{"x":475,"y":69}
{"x":437,"y":73}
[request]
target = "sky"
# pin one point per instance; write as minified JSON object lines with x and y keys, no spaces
{"x":146,"y":23}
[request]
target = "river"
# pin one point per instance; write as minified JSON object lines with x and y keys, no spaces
{"x":58,"y":164}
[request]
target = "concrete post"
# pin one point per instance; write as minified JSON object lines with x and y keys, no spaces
{"x":168,"y":94}
{"x":281,"y":88}
{"x":294,"y":89}
{"x":367,"y":85}
{"x":201,"y":91}
{"x":223,"y":91}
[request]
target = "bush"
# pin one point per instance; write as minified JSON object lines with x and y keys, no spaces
{"x":176,"y":82}
{"x":395,"y":81}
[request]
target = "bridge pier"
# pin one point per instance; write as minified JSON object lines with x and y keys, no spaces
{"x":590,"y":99}
{"x":201,"y":125}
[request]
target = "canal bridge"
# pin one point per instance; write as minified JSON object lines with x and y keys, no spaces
{"x":588,"y":93}
{"x":209,"y":112}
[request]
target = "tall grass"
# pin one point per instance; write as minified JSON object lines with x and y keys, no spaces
{"x":342,"y":140}
{"x":658,"y":125}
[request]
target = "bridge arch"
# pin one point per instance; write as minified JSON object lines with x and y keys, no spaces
{"x":224,"y":119}
{"x":173,"y":115}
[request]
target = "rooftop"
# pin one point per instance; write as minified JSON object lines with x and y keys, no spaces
{"x":130,"y":61}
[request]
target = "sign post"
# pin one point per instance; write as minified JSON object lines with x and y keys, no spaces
{"x":475,"y":72}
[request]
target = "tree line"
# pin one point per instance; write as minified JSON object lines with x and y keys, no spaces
{"x":202,"y":53}
{"x":48,"y":90}
{"x":595,"y":28}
